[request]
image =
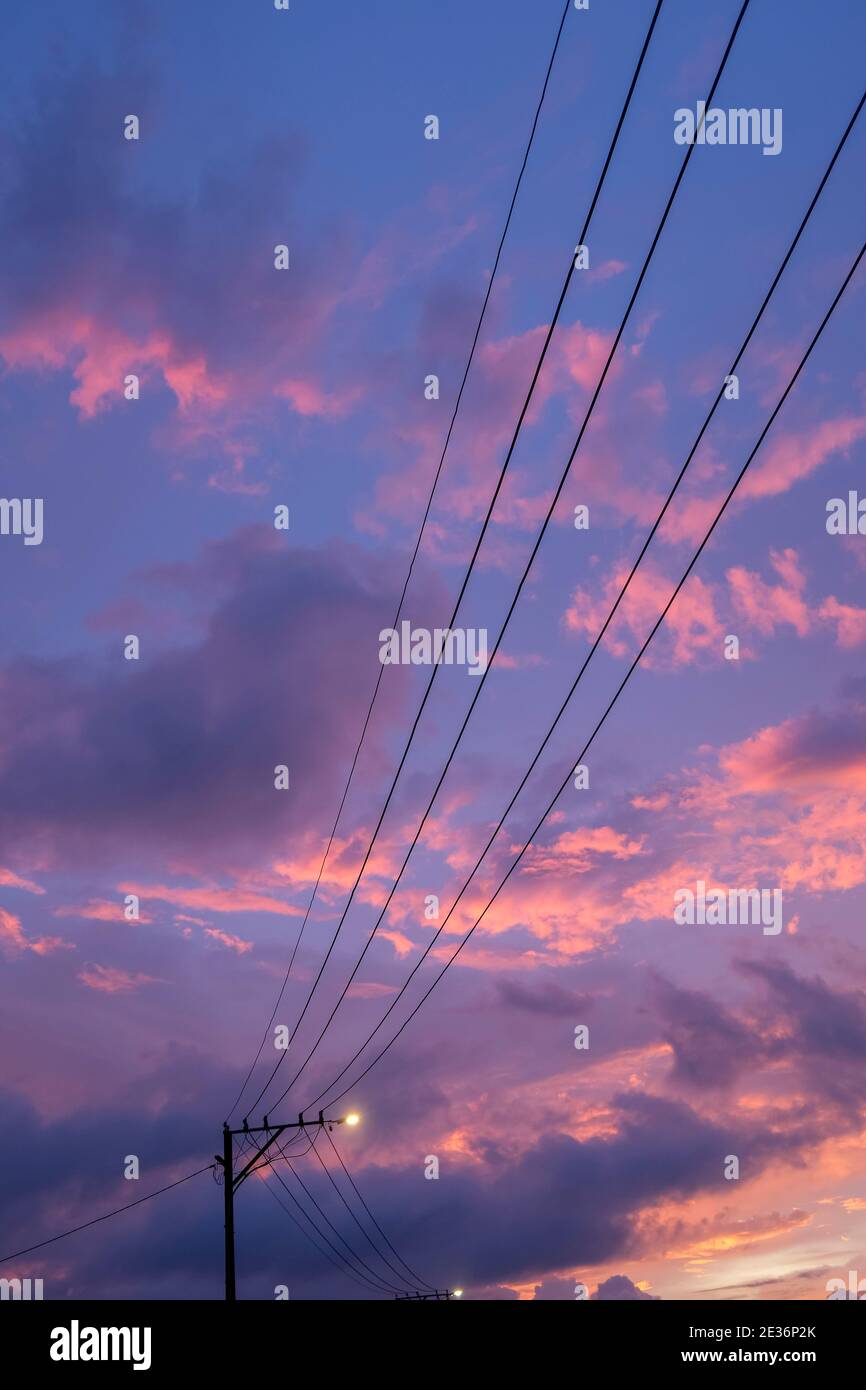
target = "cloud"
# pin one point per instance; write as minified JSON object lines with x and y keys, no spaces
{"x":232,"y":943}
{"x":14,"y":940}
{"x":176,"y":756}
{"x":691,"y":627}
{"x":99,"y":910}
{"x":108,"y":979}
{"x":145,"y":286}
{"x":711,"y":1047}
{"x":621,"y":1288}
{"x":799,"y":452}
{"x":763,"y":606}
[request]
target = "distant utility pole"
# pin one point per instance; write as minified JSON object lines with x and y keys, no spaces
{"x":233,"y":1180}
{"x":438,"y":1295}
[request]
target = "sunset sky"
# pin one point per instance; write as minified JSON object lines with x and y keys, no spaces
{"x":260,"y":647}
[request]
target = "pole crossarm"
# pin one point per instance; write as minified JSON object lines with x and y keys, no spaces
{"x":232,"y":1180}
{"x":438,"y":1295}
{"x":273,"y":1132}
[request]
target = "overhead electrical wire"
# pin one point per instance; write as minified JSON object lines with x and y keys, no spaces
{"x":382,"y":1285}
{"x":720,"y":513}
{"x":414,"y":557}
{"x":106,"y":1215}
{"x":396,"y":1252}
{"x":409,"y":1287}
{"x":482,"y":533}
{"x":415,"y":1283}
{"x":550,"y":511}
{"x":623,"y":589}
{"x":345,"y":1268}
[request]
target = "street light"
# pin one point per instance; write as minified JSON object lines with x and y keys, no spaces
{"x":353,"y":1118}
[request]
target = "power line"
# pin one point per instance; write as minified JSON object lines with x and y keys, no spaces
{"x":414,"y":1279}
{"x":339,"y":1158}
{"x":383,"y":1285}
{"x":530,"y":561}
{"x":424,"y":520}
{"x":312,"y":1145}
{"x":266,"y":1163}
{"x":625,"y":679}
{"x":481,"y":535}
{"x":343,"y":1268}
{"x":789,"y":253}
{"x":96,"y":1220}
{"x":384,"y":1258}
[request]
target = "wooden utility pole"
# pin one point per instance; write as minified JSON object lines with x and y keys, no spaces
{"x":232,"y":1180}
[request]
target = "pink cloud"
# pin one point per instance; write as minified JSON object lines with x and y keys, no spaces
{"x":100,"y":356}
{"x":607,"y":270}
{"x":13,"y":938}
{"x":212,"y":899}
{"x":575,"y":848}
{"x":850,"y":622}
{"x":502,"y":372}
{"x":12,"y":932}
{"x":308,"y":399}
{"x":99,"y":910}
{"x":691,"y":626}
{"x":46,"y":945}
{"x":109,"y":980}
{"x":765,"y":606}
{"x":797,"y":454}
{"x":8,"y":879}
{"x":232,"y":943}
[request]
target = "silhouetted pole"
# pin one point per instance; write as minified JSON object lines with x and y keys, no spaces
{"x":229,"y":1194}
{"x":232,"y":1180}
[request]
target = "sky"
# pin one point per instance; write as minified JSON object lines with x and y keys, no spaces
{"x":735,"y":765}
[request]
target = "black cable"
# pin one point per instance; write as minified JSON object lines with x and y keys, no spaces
{"x":267,"y":1161}
{"x":345,"y":1267}
{"x":431,"y":944}
{"x":480,"y":539}
{"x":625,"y":679}
{"x":480,"y":684}
{"x":407,"y":1267}
{"x":405,"y":1286}
{"x":416,"y":549}
{"x":383,"y":1285}
{"x":270,"y":1162}
{"x":96,"y":1220}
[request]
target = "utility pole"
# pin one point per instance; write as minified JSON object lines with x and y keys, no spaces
{"x":439,"y":1295}
{"x":232,"y":1180}
{"x":229,"y":1195}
